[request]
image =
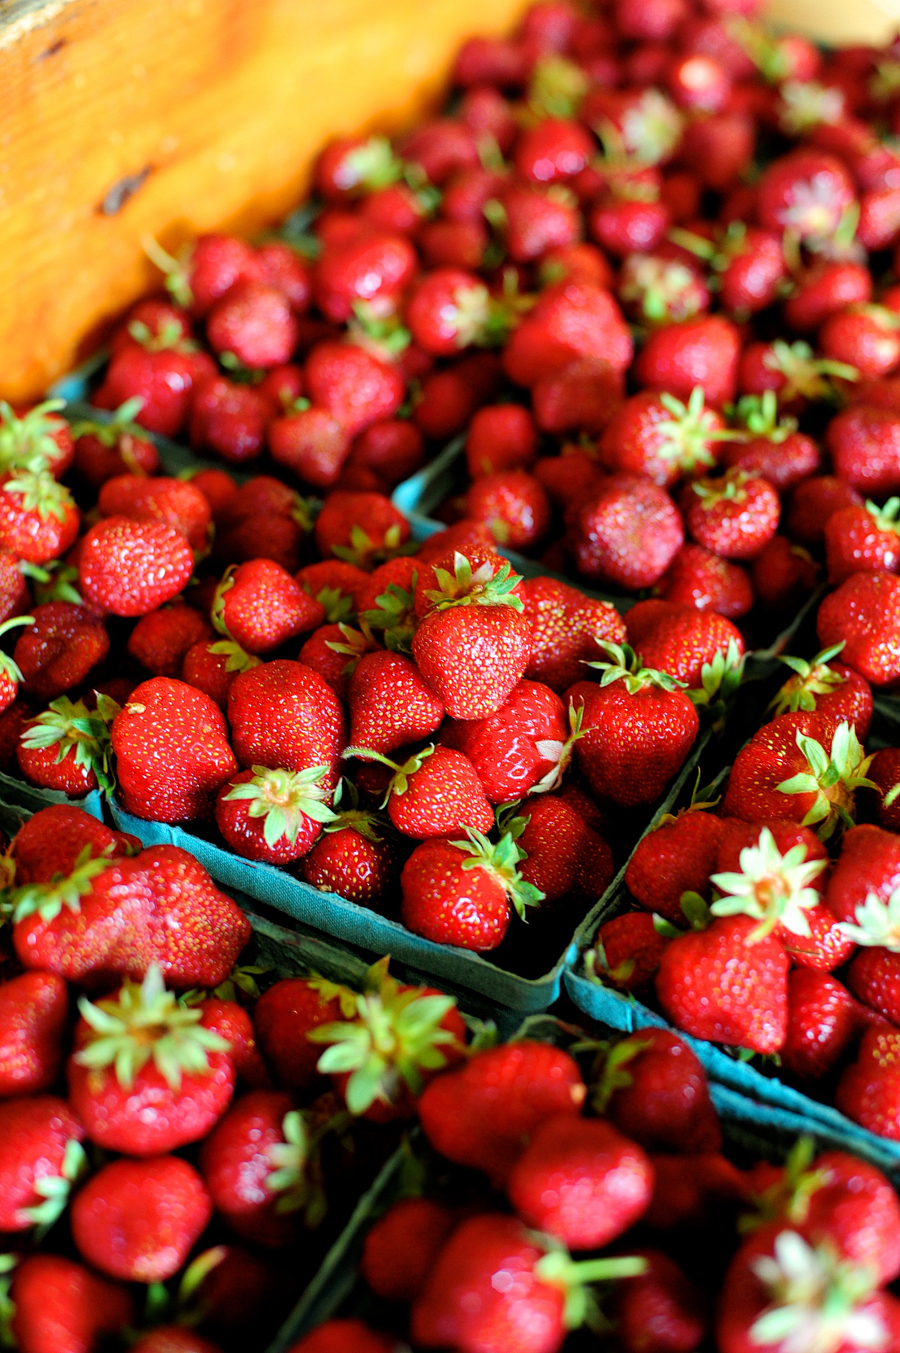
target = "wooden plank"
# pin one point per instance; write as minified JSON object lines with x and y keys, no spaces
{"x":119,"y":118}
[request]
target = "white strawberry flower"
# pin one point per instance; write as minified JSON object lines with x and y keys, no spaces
{"x":877,"y":923}
{"x":771,"y":887}
{"x":816,"y":1301}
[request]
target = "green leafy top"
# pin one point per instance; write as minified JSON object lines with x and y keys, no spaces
{"x":40,"y":493}
{"x":53,"y":581}
{"x":885,"y":518}
{"x":355,"y":644}
{"x":559,"y":753}
{"x":626,"y":666}
{"x":366,"y":553}
{"x":27,"y":441}
{"x":370,"y":825}
{"x":72,"y":727}
{"x":731,"y":487}
{"x":557,"y":87}
{"x":501,"y":859}
{"x":121,"y":424}
{"x":772,"y":888}
{"x":818,"y":1301}
{"x":720,"y":678}
{"x":177,"y":270}
{"x":394,"y":614}
{"x":284,"y":799}
{"x":399,"y":782}
{"x":396,"y":1035}
{"x":145,"y":1022}
{"x":759,"y":415}
{"x":236,"y":659}
{"x":574,"y":1277}
{"x":296,"y":1176}
{"x":475,"y":587}
{"x":615,"y":1074}
{"x":48,"y":899}
{"x":804,"y":374}
{"x":686,"y":437}
{"x":7,"y":665}
{"x":810,"y":679}
{"x":832,"y":777}
{"x":54,"y":1189}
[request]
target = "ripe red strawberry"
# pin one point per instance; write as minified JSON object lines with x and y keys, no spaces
{"x":823,"y":1021}
{"x":355,"y":386}
{"x":393,"y":450}
{"x":33,"y":1017}
{"x":164,"y":371}
{"x":864,"y":615}
{"x":626,"y":535}
{"x":119,"y":446}
{"x":212,"y":667}
{"x":862,"y":539}
{"x":335,"y":584}
{"x":334,"y":652}
{"x":783,"y":576}
{"x":812,"y":503}
{"x":285,"y":715}
{"x":38,"y":518}
{"x":139,"y":1219}
{"x":865,"y":337}
{"x":161,"y":640}
{"x":459,"y":892}
{"x":437,"y":792}
{"x":261,"y":607}
{"x":653,"y":1088}
{"x":867,"y":1090}
{"x":626,"y":952}
{"x":721,"y":984}
{"x":149,"y":737}
{"x":565,"y":856}
{"x":568,"y":630}
{"x":36,"y":438}
{"x":390,"y":704}
{"x":67,"y":748}
{"x":451,"y":309}
{"x":520,"y":747}
{"x":500,"y":437}
{"x":874,"y":974}
{"x":369,"y":266}
{"x":659,"y":436}
{"x":50,"y":842}
{"x":473,"y":646}
{"x":697,"y":648}
{"x":205,"y":270}
{"x":660,"y":290}
{"x":806,"y":192}
{"x":42,"y":1158}
{"x":637,"y":729}
{"x":254,"y":323}
{"x":770,"y":447}
{"x":148,"y":1074}
{"x":273,"y":815}
{"x":660,"y":1309}
{"x":881,"y":805}
{"x":680,"y":357}
{"x":284,"y":1016}
{"x":515,"y":506}
{"x":229,"y":419}
{"x":580,"y":1181}
{"x":60,"y":1305}
{"x":174,"y":1339}
{"x":676,"y":857}
{"x":696,"y":577}
{"x":311,"y":443}
{"x":61,"y":646}
{"x":733,"y":516}
{"x":830,"y":688}
{"x":175,"y":502}
{"x":345,"y":1336}
{"x":360,"y":528}
{"x":259,"y":1164}
{"x":401,"y":1247}
{"x":131,"y":568}
{"x":864,"y":442}
{"x":570,"y":320}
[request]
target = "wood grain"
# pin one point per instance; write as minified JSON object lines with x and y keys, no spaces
{"x":123,"y":117}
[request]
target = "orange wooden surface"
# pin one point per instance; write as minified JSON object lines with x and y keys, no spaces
{"x":208,"y":111}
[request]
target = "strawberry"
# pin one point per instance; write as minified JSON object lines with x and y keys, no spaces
{"x":829,"y":688}
{"x":658,"y":290}
{"x":660,"y":1309}
{"x":138,"y":1220}
{"x":284,"y":269}
{"x":369,"y":266}
{"x":398,"y":1037}
{"x":67,"y":748}
{"x":801,"y":767}
{"x":515,"y":506}
{"x":437,"y":792}
{"x":60,"y":1306}
{"x":212,"y":667}
{"x":625,"y":535}
{"x":813,"y":502}
{"x":520,"y":748}
{"x":570,"y":320}
{"x":653,"y":1088}
{"x":565,"y":856}
{"x":285,"y":1015}
{"x":353,"y":385}
{"x":626,"y":952}
{"x":743,"y":980}
{"x":33,"y":1017}
{"x":500,"y":437}
{"x":390,"y":704}
{"x":568,"y":629}
{"x":874,"y":974}
{"x":823,"y":1021}
{"x":690,"y":645}
{"x":260,"y":1166}
{"x":580,"y":1181}
{"x":119,"y":446}
{"x":117,"y":916}
{"x":148,"y":1074}
{"x":864,"y":442}
{"x":532,"y":221}
{"x":49,"y":843}
{"x":36,"y":439}
{"x":697,"y":577}
{"x":164,"y":371}
{"x":392,"y":449}
{"x":334,"y":652}
{"x":867,"y":1090}
{"x":881,"y":804}
{"x":483,"y":1113}
{"x":161,"y":640}
{"x":61,"y":646}
{"x":806,"y":192}
{"x":865,"y":337}
{"x":229,"y":419}
{"x":360,"y":528}
{"x":311,"y":443}
{"x":473,"y":646}
{"x":694,"y":1193}
{"x":345,"y":1336}
{"x":733,"y":516}
{"x":174,"y":1339}
{"x":273,"y":815}
{"x":400,"y":1249}
{"x":173,"y":501}
{"x":771,"y":447}
{"x":335,"y":584}
{"x":445,"y":900}
{"x":283,"y":715}
{"x":678,"y":856}
{"x":42,"y":1158}
{"x":783,"y":576}
{"x":149,"y":737}
{"x":253,"y":323}
{"x":205,"y":270}
{"x":700,"y":352}
{"x":863,"y":615}
{"x":38,"y":518}
{"x":637,"y":729}
{"x":261,"y":607}
{"x":131,"y":568}
{"x":658,"y":436}
{"x":385,"y":600}
{"x":451,"y":309}
{"x":553,"y":150}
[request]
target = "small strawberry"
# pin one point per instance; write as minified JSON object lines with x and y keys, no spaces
{"x":335,"y":584}
{"x":273,"y":815}
{"x":500,"y":437}
{"x":660,"y":1309}
{"x":161,"y":640}
{"x":211,"y":668}
{"x":683,"y":641}
{"x":38,"y":517}
{"x":138,"y":1220}
{"x":626,"y":952}
{"x":34,"y":1011}
{"x":568,"y":630}
{"x":261,"y":607}
{"x":254,"y":323}
{"x":360,"y":528}
{"x":284,"y":1016}
{"x":436,"y":792}
{"x":570,"y":320}
{"x":697,"y":577}
{"x":334,"y":652}
{"x":771,"y":447}
{"x":352,"y":857}
{"x":565,"y":856}
{"x":37,"y":439}
{"x":523,"y":747}
{"x":229,"y":419}
{"x":42,"y":1158}
{"x":515,"y":506}
{"x":60,"y":648}
{"x":863,"y":539}
{"x":678,"y":856}
{"x":367,"y":266}
{"x":813,"y":502}
{"x":626,"y":534}
{"x":864,"y":442}
{"x":829,"y":688}
{"x":60,"y":1305}
{"x":734,"y":516}
{"x":164,"y":371}
{"x":805,"y":192}
{"x":119,"y":446}
{"x":311,"y":443}
{"x":175,"y":502}
{"x":49,"y":843}
{"x":867,"y":1090}
{"x":865,"y":337}
{"x":345,"y":1336}
{"x":823,"y":1021}
{"x":659,"y":436}
{"x":68,"y":747}
{"x":205,"y":269}
{"x":400,"y":1249}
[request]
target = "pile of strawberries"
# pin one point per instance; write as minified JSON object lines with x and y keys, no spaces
{"x":625,"y":1169}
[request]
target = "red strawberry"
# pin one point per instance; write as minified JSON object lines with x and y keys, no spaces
{"x":626,"y":952}
{"x":864,"y":615}
{"x":139,"y":1219}
{"x":390,"y":704}
{"x":806,"y":192}
{"x":676,"y":857}
{"x":393,"y":450}
{"x":437,"y":792}
{"x":353,"y":385}
{"x":500,"y":437}
{"x":770,"y":447}
{"x":42,"y":1158}
{"x":174,"y":1339}
{"x":37,"y":438}
{"x":659,"y":436}
{"x":60,"y":648}
{"x":34,"y":1011}
{"x":830,"y":688}
{"x":206,"y":269}
{"x":570,"y":320}
{"x":867,"y":1091}
{"x":568,"y":629}
{"x":51,"y":841}
{"x":565,"y":856}
{"x":734,"y":516}
{"x":148,"y":1073}
{"x":273,"y":815}
{"x":229,"y":419}
{"x":522,"y":746}
{"x":370,"y":266}
{"x":653,"y":1087}
{"x":625,"y":535}
{"x":334,"y":652}
{"x":38,"y":518}
{"x":119,"y":446}
{"x":515,"y":506}
{"x":580,"y":1181}
{"x":254,"y":323}
{"x":165,"y":372}
{"x":680,"y":357}
{"x":285,"y":1015}
{"x":660,"y":1310}
{"x":261,"y":607}
{"x":864,"y":442}
{"x":360,"y":528}
{"x":724,"y":985}
{"x":345,"y":1336}
{"x":67,"y":748}
{"x":862,"y":539}
{"x":881,"y":805}
{"x":865,"y":337}
{"x":697,"y":648}
{"x":161,"y":640}
{"x":131,"y":568}
{"x":637,"y":729}
{"x":400,"y":1249}
{"x":60,"y":1306}
{"x":813,"y":502}
{"x":658,"y":290}
{"x":823,"y":1021}
{"x":311,"y":443}
{"x":212,"y":667}
{"x":173,"y":501}
{"x":283,"y":715}
{"x":335,"y":584}
{"x":149,"y":737}
{"x":451,"y":309}
{"x":696,"y":577}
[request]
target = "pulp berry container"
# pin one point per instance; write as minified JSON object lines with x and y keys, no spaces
{"x":751,"y":1131}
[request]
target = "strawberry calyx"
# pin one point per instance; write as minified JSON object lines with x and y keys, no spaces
{"x":366,"y":553}
{"x":500,"y":859}
{"x":383,"y":335}
{"x":560,"y":753}
{"x":40,"y":493}
{"x":169,"y":337}
{"x":75,"y":728}
{"x":720,"y":678}
{"x":557,"y":87}
{"x":8,"y":667}
{"x":833,"y":777}
{"x":803,"y":373}
{"x":283,"y":799}
{"x":806,"y":104}
{"x":767,"y":52}
{"x":241,"y":978}
{"x":217,"y":610}
{"x":478,"y":587}
{"x":759,"y":415}
{"x":355,"y":644}
{"x":626,"y":666}
{"x":27,"y":441}
{"x":877,"y":923}
{"x":884,"y":85}
{"x":687,"y":435}
{"x":816,"y":1299}
{"x":111,"y":430}
{"x":338,"y":605}
{"x":396,"y":1035}
{"x":651,"y":129}
{"x":810,"y":680}
{"x":296,"y":1176}
{"x":559,"y":1269}
{"x":701,"y":800}
{"x":53,"y":581}
{"x":731,"y":487}
{"x":394,"y":615}
{"x":54,"y":1189}
{"x":614,"y":1074}
{"x":664,"y":288}
{"x":399,"y":782}
{"x":368,"y":824}
{"x":770,"y":887}
{"x":788,"y":1198}
{"x":371,"y":166}
{"x":236,"y":659}
{"x":885,"y":517}
{"x":145,"y":1022}
{"x":48,"y":899}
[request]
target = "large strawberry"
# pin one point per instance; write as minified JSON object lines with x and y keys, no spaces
{"x":131,"y":567}
{"x":521,"y":748}
{"x":284,"y":715}
{"x":261,"y":607}
{"x":59,"y":1304}
{"x":568,"y":629}
{"x":436,"y":792}
{"x":390,"y":703}
{"x":864,"y":615}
